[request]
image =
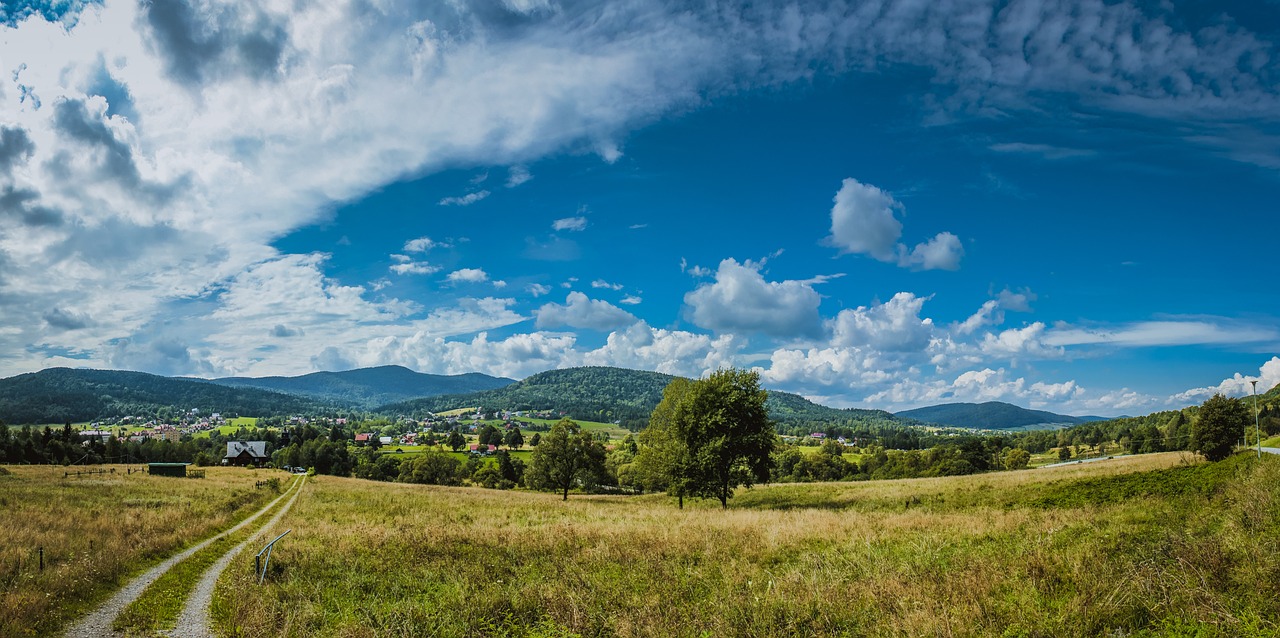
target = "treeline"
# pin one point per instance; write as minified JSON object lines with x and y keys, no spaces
{"x":65,"y":446}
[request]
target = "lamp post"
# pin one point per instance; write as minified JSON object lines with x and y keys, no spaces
{"x":1256,"y":425}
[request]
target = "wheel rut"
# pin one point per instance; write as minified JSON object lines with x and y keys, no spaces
{"x":97,"y":623}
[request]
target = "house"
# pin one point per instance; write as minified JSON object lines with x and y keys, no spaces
{"x":246,"y":453}
{"x":384,"y":440}
{"x":364,"y":438}
{"x":476,"y":448}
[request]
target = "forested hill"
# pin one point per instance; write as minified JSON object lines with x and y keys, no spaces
{"x":617,"y":394}
{"x":589,"y":393}
{"x":992,"y":415}
{"x":58,"y":395}
{"x":371,"y":387}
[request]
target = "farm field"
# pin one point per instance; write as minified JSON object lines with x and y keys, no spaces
{"x":1139,"y":546}
{"x":98,"y":530}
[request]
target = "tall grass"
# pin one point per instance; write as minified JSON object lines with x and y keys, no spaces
{"x":97,"y":531}
{"x":985,"y":555}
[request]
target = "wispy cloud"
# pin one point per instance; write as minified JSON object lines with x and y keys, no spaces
{"x":464,"y":200}
{"x":570,"y":223}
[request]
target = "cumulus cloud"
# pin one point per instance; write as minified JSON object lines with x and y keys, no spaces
{"x":991,"y":313}
{"x":600,"y":283}
{"x":864,"y":221}
{"x":570,"y":223}
{"x":894,"y":326}
{"x":741,"y":300}
{"x":467,"y":276}
{"x":580,"y":311}
{"x":1238,"y":385}
{"x":631,"y":300}
{"x":538,"y":290}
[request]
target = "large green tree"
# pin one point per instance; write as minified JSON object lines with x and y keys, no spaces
{"x":711,"y":436}
{"x":1218,"y":426}
{"x":565,"y":457}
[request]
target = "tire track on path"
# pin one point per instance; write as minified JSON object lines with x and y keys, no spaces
{"x":194,"y":621}
{"x":98,"y":622}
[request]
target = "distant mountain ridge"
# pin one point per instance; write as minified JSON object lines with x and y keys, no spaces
{"x":992,"y":415}
{"x":370,"y":387}
{"x":58,"y":395}
{"x":619,"y":394}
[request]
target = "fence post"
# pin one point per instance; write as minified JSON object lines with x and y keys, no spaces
{"x":41,"y":550}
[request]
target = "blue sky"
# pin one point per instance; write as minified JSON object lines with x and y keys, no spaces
{"x":876,"y":204}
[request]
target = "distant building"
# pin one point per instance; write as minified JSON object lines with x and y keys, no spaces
{"x":246,"y":453}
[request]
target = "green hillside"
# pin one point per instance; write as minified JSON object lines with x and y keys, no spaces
{"x":616,"y":394}
{"x":59,"y":395}
{"x":370,"y":387}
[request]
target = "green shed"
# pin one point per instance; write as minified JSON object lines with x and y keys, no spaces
{"x":168,"y":469}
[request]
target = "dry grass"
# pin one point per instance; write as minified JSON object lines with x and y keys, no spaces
{"x":964,"y":556}
{"x":97,"y":531}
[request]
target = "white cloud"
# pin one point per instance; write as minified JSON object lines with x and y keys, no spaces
{"x":631,"y":300}
{"x":943,"y":252}
{"x":667,"y":351}
{"x":414,"y":268}
{"x":579,"y":311}
{"x":424,"y":244}
{"x":864,"y":221}
{"x":1238,"y":385}
{"x":894,"y":326}
{"x":468,"y":276}
{"x":518,"y":175}
{"x":697,"y":272}
{"x":600,"y":283}
{"x":538,"y":290}
{"x":1029,"y":341}
{"x":1164,"y":333}
{"x":464,"y":200}
{"x":570,"y":223}
{"x":992,"y":311}
{"x":740,"y":300}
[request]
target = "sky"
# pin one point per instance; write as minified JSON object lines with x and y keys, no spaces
{"x":1068,"y":206}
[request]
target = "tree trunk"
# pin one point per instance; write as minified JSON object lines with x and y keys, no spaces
{"x":566,"y":493}
{"x":681,"y":497}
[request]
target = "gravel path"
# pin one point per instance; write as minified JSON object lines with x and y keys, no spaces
{"x":194,"y":621}
{"x":98,"y":622}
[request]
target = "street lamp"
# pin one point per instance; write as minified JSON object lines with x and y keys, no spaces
{"x":1257,"y":427}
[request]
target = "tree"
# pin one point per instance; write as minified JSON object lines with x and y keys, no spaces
{"x":535,"y":440}
{"x":711,"y":436}
{"x":455,"y":441}
{"x":1016,"y":459}
{"x":433,"y":468}
{"x":566,"y":456}
{"x":1064,"y":453}
{"x":1218,"y":427}
{"x":514,"y":439}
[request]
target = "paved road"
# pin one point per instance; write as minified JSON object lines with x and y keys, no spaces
{"x":98,"y":622}
{"x":1271,"y":450}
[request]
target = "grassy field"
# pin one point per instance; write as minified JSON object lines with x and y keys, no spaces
{"x":1140,"y":546}
{"x":98,"y":530}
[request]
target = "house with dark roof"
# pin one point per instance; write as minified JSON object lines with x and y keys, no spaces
{"x":246,"y":453}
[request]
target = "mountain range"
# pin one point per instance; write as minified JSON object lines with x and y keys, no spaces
{"x":370,"y":387}
{"x":992,"y":415}
{"x":57,"y":395}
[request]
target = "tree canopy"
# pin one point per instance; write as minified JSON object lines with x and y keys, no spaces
{"x":708,"y":437}
{"x":565,"y":457}
{"x":1219,"y":425}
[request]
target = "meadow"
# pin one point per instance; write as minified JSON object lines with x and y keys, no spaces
{"x":1158,"y":544}
{"x":98,"y":530}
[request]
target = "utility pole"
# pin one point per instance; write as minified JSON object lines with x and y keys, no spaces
{"x":1256,"y":425}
